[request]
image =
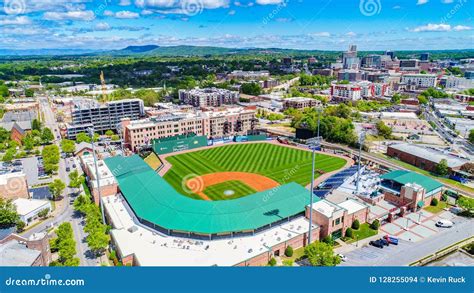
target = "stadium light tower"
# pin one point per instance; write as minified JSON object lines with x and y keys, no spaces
{"x":361,"y":142}
{"x":314,"y":144}
{"x":97,"y":175}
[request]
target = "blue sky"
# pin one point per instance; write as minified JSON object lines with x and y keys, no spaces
{"x":300,"y":24}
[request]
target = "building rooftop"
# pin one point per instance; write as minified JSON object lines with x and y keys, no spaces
{"x":352,"y":206}
{"x":404,"y":177}
{"x":156,"y":201}
{"x":430,"y":154}
{"x":327,"y":208}
{"x":152,"y":248}
{"x":14,"y":253}
{"x":25,"y":206}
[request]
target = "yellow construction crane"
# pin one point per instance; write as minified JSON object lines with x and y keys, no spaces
{"x":104,"y":87}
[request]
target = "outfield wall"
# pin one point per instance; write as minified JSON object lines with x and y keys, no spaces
{"x":172,"y":146}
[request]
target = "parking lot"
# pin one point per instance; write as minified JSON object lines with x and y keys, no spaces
{"x":34,"y":171}
{"x":414,"y":244}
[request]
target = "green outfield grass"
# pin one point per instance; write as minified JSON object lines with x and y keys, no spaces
{"x":279,"y":163}
{"x":217,"y":192}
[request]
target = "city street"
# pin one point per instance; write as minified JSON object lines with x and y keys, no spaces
{"x":64,"y":210}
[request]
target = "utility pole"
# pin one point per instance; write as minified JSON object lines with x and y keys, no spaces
{"x":314,"y":144}
{"x":361,"y":142}
{"x":97,"y":175}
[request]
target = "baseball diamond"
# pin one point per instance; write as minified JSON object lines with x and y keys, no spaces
{"x":279,"y":164}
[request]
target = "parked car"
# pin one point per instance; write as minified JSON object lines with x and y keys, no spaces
{"x":376,"y":243}
{"x":384,"y":242}
{"x":391,"y":239}
{"x":455,"y":210}
{"x":68,"y":169}
{"x":444,"y":224}
{"x":342,"y":257}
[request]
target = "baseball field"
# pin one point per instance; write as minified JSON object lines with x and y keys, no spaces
{"x":233,"y":171}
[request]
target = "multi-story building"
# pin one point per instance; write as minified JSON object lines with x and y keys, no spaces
{"x":350,"y":59}
{"x":457,"y":83}
{"x":350,"y":75}
{"x":103,"y":117}
{"x":300,"y":103}
{"x":246,"y":75}
{"x":230,"y":121}
{"x":209,"y":97}
{"x":346,"y":92}
{"x":419,"y":80}
{"x":409,"y":64}
{"x":373,"y":90}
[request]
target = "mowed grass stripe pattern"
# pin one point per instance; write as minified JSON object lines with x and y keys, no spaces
{"x":217,"y":191}
{"x":279,"y":163}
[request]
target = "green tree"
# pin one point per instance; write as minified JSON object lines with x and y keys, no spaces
{"x":272,"y":262}
{"x":321,"y":254}
{"x":36,"y":125}
{"x":43,"y":213}
{"x":349,"y":233}
{"x":329,"y":240}
{"x":251,"y":88}
{"x":28,"y":142}
{"x":47,"y":135}
{"x":148,"y":96}
{"x":9,"y":155}
{"x":4,"y":135}
{"x":83,"y":137}
{"x":56,"y":188}
{"x":115,"y":137}
{"x":375,"y":225}
{"x":384,"y":130}
{"x":289,"y":251}
{"x":75,"y":180}
{"x":98,"y":240}
{"x":29,"y":93}
{"x":8,"y":214}
{"x":20,"y":226}
{"x":442,"y":168}
{"x":471,"y":136}
{"x":109,"y":133}
{"x":434,"y":202}
{"x":356,"y":224}
{"x":68,"y":146}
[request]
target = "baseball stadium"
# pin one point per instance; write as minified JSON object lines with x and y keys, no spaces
{"x":191,"y":188}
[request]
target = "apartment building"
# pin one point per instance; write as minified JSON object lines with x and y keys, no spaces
{"x":300,"y":103}
{"x":208,"y":97}
{"x":346,"y":92}
{"x":219,"y":123}
{"x":419,"y":80}
{"x":103,"y":116}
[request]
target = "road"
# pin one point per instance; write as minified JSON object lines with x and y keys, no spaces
{"x":409,"y":252}
{"x":65,"y":211}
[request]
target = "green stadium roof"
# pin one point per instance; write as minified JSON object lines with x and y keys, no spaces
{"x":154,"y":200}
{"x":403,"y":177}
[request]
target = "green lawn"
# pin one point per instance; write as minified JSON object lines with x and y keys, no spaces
{"x":279,"y":163}
{"x":217,"y":192}
{"x":436,"y":209}
{"x":363,"y":232}
{"x":297,"y":254}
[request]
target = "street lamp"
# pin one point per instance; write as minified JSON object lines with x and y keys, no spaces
{"x":101,"y":204}
{"x":361,"y":142}
{"x":314,"y":144}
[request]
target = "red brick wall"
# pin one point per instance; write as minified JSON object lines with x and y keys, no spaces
{"x":411,"y":159}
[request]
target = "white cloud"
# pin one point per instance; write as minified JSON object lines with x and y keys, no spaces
{"x":351,"y":34}
{"x":421,"y":2}
{"x":320,"y":34}
{"x":459,"y":28}
{"x":125,"y":2}
{"x":127,"y":14}
{"x":108,"y":13}
{"x":19,"y":20}
{"x":269,"y":2}
{"x":70,"y":15}
{"x":441,"y":27}
{"x":447,"y":1}
{"x":102,"y":26}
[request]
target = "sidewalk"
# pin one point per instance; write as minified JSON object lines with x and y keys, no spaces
{"x":348,"y":247}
